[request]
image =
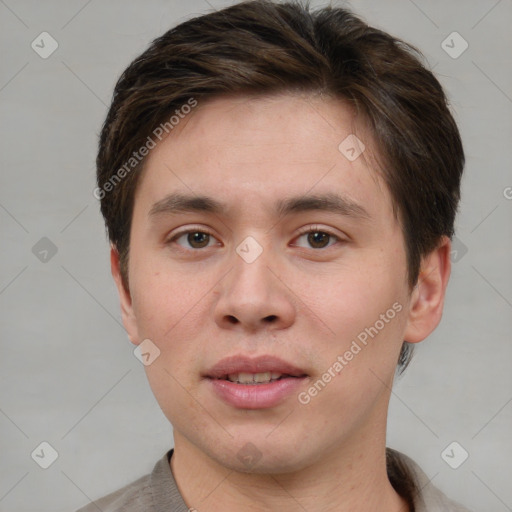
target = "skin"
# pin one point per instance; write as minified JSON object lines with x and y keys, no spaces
{"x":300,"y":302}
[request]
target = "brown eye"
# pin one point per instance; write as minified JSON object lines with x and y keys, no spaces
{"x":192,"y":239}
{"x":198,"y":239}
{"x":315,"y":238}
{"x":318,"y":239}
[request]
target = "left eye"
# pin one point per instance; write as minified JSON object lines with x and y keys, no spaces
{"x":318,"y":239}
{"x":195,"y":239}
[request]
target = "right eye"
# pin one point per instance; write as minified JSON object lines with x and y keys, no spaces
{"x":191,"y":239}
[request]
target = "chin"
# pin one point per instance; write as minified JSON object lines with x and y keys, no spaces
{"x":255,"y":455}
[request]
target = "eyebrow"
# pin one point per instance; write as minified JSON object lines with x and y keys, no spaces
{"x":329,"y":202}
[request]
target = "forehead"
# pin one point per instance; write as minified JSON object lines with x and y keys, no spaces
{"x":258,"y":150}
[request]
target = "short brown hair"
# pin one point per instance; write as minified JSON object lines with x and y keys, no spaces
{"x":262,"y":47}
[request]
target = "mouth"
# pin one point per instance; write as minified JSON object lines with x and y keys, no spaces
{"x":250,"y":371}
{"x":254,"y":383}
{"x":254,"y":379}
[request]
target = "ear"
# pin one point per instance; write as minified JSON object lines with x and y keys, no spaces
{"x":128,"y":316}
{"x":427,"y":298}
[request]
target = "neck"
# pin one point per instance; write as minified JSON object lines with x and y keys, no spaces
{"x":345,"y":479}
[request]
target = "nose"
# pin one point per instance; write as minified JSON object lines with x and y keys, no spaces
{"x":253,"y":296}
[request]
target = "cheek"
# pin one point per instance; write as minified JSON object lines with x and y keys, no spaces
{"x":172,"y":319}
{"x":349,"y":299}
{"x":357,"y":368}
{"x":163,"y":301}
{"x":364,"y":307}
{"x":171,"y":390}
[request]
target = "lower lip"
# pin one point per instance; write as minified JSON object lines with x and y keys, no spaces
{"x":256,"y":396}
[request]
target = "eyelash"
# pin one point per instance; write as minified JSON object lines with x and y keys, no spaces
{"x":186,"y":232}
{"x":304,"y":231}
{"x":316,"y":229}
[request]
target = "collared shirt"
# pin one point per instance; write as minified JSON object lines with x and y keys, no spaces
{"x":158,"y":492}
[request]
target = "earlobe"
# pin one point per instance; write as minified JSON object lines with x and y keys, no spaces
{"x":127,"y":313}
{"x":427,"y":298}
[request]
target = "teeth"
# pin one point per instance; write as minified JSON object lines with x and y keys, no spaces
{"x":253,"y":378}
{"x":262,"y":377}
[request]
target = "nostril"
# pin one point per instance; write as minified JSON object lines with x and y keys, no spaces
{"x":270,"y":318}
{"x":232,"y":319}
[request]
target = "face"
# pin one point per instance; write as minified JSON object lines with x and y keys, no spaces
{"x":291,"y":262}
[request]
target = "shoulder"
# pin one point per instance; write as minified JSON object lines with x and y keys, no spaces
{"x":134,"y":497}
{"x":151,"y":493}
{"x":427,"y":497}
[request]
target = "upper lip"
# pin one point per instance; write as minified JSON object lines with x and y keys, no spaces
{"x":260,"y":364}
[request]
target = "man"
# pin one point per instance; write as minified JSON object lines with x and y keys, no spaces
{"x":279,"y":187}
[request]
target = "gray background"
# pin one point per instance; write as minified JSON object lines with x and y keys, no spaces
{"x":68,"y":373}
